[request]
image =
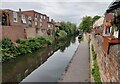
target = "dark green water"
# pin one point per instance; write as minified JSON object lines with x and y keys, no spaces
{"x":44,"y":65}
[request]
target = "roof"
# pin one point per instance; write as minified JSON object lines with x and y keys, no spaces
{"x":114,"y":5}
{"x":57,"y":24}
{"x":99,"y":22}
{"x":34,"y":12}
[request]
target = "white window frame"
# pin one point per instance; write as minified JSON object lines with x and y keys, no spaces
{"x":48,"y":25}
{"x":40,"y":24}
{"x":40,"y":19}
{"x":36,"y":17}
{"x":15,"y":17}
{"x":30,"y":20}
{"x":24,"y":19}
{"x":44,"y":17}
{"x":41,"y":16}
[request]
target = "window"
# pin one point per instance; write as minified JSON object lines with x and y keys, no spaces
{"x":23,"y":19}
{"x":36,"y":23}
{"x":4,"y":19}
{"x":40,"y":20}
{"x":40,"y":24}
{"x":36,"y":17}
{"x":15,"y":17}
{"x":48,"y":25}
{"x":52,"y":26}
{"x":41,"y":16}
{"x":30,"y":21}
{"x":44,"y":17}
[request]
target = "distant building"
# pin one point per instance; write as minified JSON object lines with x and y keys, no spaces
{"x":12,"y":27}
{"x":39,"y":22}
{"x":98,"y":26}
{"x":51,"y":26}
{"x":24,"y":24}
{"x":57,"y":25}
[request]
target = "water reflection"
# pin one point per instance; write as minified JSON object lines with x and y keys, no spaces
{"x":16,"y":70}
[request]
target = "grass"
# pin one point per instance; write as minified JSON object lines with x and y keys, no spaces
{"x":82,"y":39}
{"x":89,"y":60}
{"x":95,"y":70}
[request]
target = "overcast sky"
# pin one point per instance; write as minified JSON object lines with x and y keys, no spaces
{"x":61,"y":10}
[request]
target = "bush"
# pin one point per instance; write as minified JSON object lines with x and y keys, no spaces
{"x":5,"y":54}
{"x":6,"y":49}
{"x":6,"y":43}
{"x":9,"y":50}
{"x":62,"y":34}
{"x":20,"y":41}
{"x":15,"y":50}
{"x":48,"y":41}
{"x":23,"y":49}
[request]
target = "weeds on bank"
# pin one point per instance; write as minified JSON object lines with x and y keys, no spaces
{"x":95,"y":70}
{"x":10,"y":50}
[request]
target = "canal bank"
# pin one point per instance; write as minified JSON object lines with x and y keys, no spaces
{"x":78,"y":68}
{"x":44,"y":65}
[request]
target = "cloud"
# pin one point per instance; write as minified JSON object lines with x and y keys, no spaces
{"x":57,"y":0}
{"x":62,"y":10}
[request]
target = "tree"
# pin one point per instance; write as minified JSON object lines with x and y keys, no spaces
{"x":86,"y":24}
{"x":95,"y":18}
{"x":62,"y":34}
{"x":69,"y":27}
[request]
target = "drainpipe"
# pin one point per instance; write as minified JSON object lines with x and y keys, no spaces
{"x":20,"y":18}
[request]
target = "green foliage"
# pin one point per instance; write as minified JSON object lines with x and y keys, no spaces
{"x":6,"y":43}
{"x":49,"y":32}
{"x":93,"y":53}
{"x":66,"y":29}
{"x":95,"y":70}
{"x":7,"y":46}
{"x":62,"y":34}
{"x":56,"y":32}
{"x":9,"y":50}
{"x":69,"y":28}
{"x":95,"y":18}
{"x":23,"y":49}
{"x":86,"y":24}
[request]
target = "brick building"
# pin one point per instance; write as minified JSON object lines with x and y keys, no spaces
{"x":35,"y":21}
{"x":107,"y":47}
{"x":51,"y":26}
{"x":98,"y":26}
{"x":12,"y":27}
{"x":24,"y":24}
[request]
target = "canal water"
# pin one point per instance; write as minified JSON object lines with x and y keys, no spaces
{"x":44,"y":65}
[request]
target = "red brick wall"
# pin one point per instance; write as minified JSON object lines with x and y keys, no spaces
{"x":11,"y":19}
{"x":19,"y":30}
{"x":44,"y":22}
{"x":109,"y":64}
{"x":13,"y":32}
{"x":30,"y":32}
{"x":30,"y":13}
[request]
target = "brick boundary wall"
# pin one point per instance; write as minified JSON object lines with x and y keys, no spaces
{"x":109,"y":65}
{"x":13,"y":32}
